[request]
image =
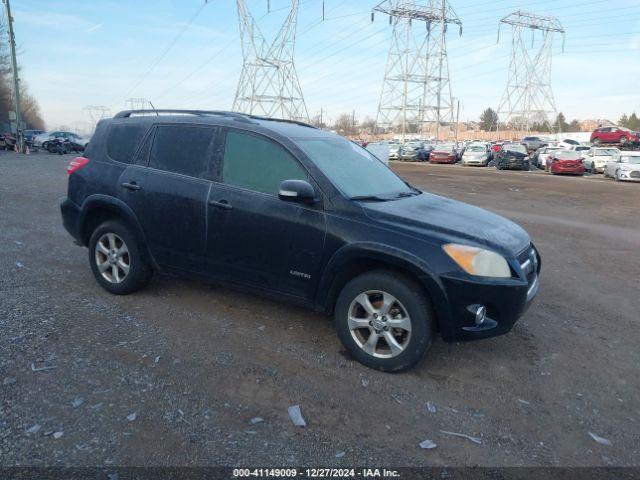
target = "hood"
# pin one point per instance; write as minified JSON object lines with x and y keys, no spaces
{"x":452,"y":220}
{"x":512,"y":154}
{"x":630,"y":167}
{"x":475,"y":154}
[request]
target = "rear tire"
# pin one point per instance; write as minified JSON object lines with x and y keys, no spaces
{"x":366,"y":310}
{"x":596,"y":141}
{"x":116,"y":259}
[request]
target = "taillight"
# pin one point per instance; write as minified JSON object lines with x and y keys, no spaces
{"x":76,"y":164}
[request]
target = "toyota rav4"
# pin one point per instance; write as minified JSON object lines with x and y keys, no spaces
{"x":284,"y":209}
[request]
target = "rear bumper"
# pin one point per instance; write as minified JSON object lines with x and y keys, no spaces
{"x":441,"y":160}
{"x":71,"y":219}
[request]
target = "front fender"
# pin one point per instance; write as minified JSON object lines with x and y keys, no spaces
{"x":395,"y":258}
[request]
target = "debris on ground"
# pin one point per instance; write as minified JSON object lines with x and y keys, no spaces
{"x":462,"y":435}
{"x":58,"y":434}
{"x":261,"y":328}
{"x":132,"y":416}
{"x":77,"y":402}
{"x":41,"y":369}
{"x":256,"y":420}
{"x":427,"y":445}
{"x":364,"y":382}
{"x":9,"y":381}
{"x":599,"y":439}
{"x":340,"y":454}
{"x":19,"y":265}
{"x":524,"y":402}
{"x":35,"y":429}
{"x":296,"y":416}
{"x":397,"y":398}
{"x":157,"y":359}
{"x":431,"y":407}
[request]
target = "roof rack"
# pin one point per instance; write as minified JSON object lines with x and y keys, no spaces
{"x":241,"y":117}
{"x":200,"y":113}
{"x":295,"y":122}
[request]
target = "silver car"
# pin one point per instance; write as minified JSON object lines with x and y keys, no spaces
{"x":624,"y":166}
{"x":596,"y":158}
{"x":476,"y":154}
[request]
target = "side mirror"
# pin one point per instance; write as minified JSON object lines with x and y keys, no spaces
{"x":297,"y":191}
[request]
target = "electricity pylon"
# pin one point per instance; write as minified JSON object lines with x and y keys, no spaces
{"x":97,"y":113}
{"x":269,"y":84}
{"x":137,"y":103}
{"x":416,"y":92}
{"x":528,"y":98}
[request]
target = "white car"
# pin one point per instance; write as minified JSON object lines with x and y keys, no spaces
{"x":476,"y":154}
{"x":543,"y":155}
{"x":42,"y":140}
{"x":597,"y":157}
{"x":625,"y":166}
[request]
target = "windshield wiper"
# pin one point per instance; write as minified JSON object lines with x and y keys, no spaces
{"x":369,"y":198}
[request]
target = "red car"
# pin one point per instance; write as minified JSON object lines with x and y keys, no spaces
{"x":443,"y":154}
{"x":566,"y":162}
{"x":614,"y":135}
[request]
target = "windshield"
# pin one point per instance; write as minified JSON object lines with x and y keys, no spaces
{"x":568,"y":155}
{"x":550,"y":149}
{"x":352,"y":169}
{"x":516,"y":148}
{"x":632,"y":159}
{"x":444,"y":148}
{"x":607,"y":152}
{"x":476,"y":148}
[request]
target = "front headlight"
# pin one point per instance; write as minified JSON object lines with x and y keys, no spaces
{"x":477,"y":261}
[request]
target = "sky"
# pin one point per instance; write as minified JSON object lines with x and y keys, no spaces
{"x":187,"y":54}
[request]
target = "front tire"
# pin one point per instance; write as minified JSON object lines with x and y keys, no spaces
{"x":116,"y":259}
{"x":385,"y":321}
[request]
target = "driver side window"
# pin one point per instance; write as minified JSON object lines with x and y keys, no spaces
{"x":257,"y":163}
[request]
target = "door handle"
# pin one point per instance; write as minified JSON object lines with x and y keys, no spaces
{"x":133,"y":186}
{"x":223,"y":204}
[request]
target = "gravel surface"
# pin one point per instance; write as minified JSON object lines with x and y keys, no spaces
{"x":186,"y":373}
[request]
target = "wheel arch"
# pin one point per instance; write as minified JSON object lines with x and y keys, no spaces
{"x":97,"y":209}
{"x":356,"y":259}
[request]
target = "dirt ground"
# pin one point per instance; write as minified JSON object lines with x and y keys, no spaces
{"x":173,"y":375}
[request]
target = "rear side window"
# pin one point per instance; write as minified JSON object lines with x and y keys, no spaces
{"x":123,"y":141}
{"x":182,"y":149}
{"x":258,"y":164}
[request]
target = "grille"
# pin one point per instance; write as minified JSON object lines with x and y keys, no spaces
{"x":634,"y":174}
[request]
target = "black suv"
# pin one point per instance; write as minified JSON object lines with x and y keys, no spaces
{"x":285,"y":209}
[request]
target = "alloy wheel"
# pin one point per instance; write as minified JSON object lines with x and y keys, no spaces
{"x":112,"y":258}
{"x":379,"y":324}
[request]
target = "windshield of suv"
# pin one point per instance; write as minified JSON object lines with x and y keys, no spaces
{"x":353,"y":170}
{"x":568,"y":155}
{"x":516,"y":148}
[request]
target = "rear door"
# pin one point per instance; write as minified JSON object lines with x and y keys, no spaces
{"x":254,"y":237}
{"x":168,"y":192}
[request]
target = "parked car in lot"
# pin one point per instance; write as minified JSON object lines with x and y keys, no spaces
{"x":597,"y":157}
{"x":286,"y":210}
{"x":533,"y":143}
{"x":566,"y":162}
{"x":477,"y":154}
{"x":444,"y":153}
{"x":394,"y":151}
{"x":7,"y":141}
{"x":412,"y":152}
{"x":541,"y":157}
{"x":614,"y":135}
{"x":77,"y":142}
{"x":624,"y":166}
{"x":512,"y":156}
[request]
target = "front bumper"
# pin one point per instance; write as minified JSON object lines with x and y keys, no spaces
{"x":629,"y":176}
{"x":506,"y":300}
{"x":474,"y":161}
{"x":568,"y":170}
